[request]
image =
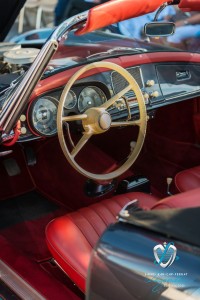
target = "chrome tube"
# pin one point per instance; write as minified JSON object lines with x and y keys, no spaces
{"x":159,"y":11}
{"x":15,"y":105}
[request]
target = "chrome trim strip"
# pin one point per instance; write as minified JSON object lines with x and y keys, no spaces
{"x":28,"y":139}
{"x":182,"y":95}
{"x":14,"y":106}
{"x":17,"y":284}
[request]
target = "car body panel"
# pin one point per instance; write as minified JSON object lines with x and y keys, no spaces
{"x":123,"y":262}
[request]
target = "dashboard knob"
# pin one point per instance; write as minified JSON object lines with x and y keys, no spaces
{"x":155,"y":94}
{"x":150,"y":83}
{"x":23,"y":130}
{"x":22,"y":118}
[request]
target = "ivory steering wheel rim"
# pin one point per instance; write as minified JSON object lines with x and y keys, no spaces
{"x":100,"y":114}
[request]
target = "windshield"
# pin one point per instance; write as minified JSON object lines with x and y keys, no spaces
{"x":128,"y":38}
{"x":77,"y":50}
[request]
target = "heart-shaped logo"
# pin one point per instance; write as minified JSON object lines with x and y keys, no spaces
{"x":165,"y":254}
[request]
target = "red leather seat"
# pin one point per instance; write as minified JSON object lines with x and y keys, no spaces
{"x":70,"y":238}
{"x":182,"y":200}
{"x":188,"y":179}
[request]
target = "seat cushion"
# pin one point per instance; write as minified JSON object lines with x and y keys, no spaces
{"x":71,"y":238}
{"x":188,"y":179}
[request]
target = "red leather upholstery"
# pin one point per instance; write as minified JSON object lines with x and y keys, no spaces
{"x":188,"y":179}
{"x":188,"y":199}
{"x":71,"y":238}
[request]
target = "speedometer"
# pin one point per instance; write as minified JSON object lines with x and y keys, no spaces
{"x":91,"y":96}
{"x":70,"y":100}
{"x":43,"y":114}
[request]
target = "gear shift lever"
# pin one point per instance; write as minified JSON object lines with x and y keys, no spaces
{"x":169,"y":181}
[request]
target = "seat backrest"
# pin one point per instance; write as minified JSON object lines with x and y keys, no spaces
{"x":183,"y":200}
{"x":188,"y":179}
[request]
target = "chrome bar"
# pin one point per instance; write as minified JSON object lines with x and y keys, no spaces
{"x":159,"y":11}
{"x":17,"y":284}
{"x":15,"y":105}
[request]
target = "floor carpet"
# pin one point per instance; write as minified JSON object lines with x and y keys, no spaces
{"x":23,"y":220}
{"x":23,"y":247}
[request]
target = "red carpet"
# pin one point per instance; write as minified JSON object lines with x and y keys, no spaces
{"x":23,"y":245}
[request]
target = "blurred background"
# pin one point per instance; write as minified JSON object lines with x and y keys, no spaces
{"x":40,"y":14}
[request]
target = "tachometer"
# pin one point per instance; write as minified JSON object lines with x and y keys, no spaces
{"x":91,"y":96}
{"x":71,"y":100}
{"x":43,"y":114}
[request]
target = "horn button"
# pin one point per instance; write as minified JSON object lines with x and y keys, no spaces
{"x":105,"y":121}
{"x":98,"y":120}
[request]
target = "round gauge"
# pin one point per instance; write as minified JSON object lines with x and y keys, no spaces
{"x":43,"y":116}
{"x":71,"y":100}
{"x":90,"y":96}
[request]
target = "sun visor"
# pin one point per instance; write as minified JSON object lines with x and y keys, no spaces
{"x":190,"y":5}
{"x":117,"y":10}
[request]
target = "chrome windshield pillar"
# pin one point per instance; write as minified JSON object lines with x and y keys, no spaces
{"x":21,"y":93}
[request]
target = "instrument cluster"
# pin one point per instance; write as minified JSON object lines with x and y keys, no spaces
{"x":43,"y":111}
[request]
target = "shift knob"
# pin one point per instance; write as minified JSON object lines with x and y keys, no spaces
{"x":169,"y":181}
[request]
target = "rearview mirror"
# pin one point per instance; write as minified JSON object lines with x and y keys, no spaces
{"x":156,"y":29}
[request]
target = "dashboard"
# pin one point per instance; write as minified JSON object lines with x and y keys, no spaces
{"x":161,"y":84}
{"x":43,"y":111}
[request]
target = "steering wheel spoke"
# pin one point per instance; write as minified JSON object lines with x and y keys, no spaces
{"x":126,"y":123}
{"x":112,"y":100}
{"x":85,"y":138}
{"x":74,"y":118}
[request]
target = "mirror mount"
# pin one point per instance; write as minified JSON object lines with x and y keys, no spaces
{"x":162,"y":7}
{"x":156,"y":28}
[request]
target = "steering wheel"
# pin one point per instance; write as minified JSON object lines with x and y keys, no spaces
{"x":97,"y":120}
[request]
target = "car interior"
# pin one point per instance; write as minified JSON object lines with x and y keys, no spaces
{"x":94,"y":136}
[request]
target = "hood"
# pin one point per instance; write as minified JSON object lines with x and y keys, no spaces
{"x":9,"y":11}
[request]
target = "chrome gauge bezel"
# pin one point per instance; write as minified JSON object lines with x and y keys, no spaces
{"x":94,"y":87}
{"x":75,"y":99}
{"x":31,"y":116}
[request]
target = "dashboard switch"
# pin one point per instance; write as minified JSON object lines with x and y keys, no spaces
{"x":22,"y":118}
{"x":23,"y":130}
